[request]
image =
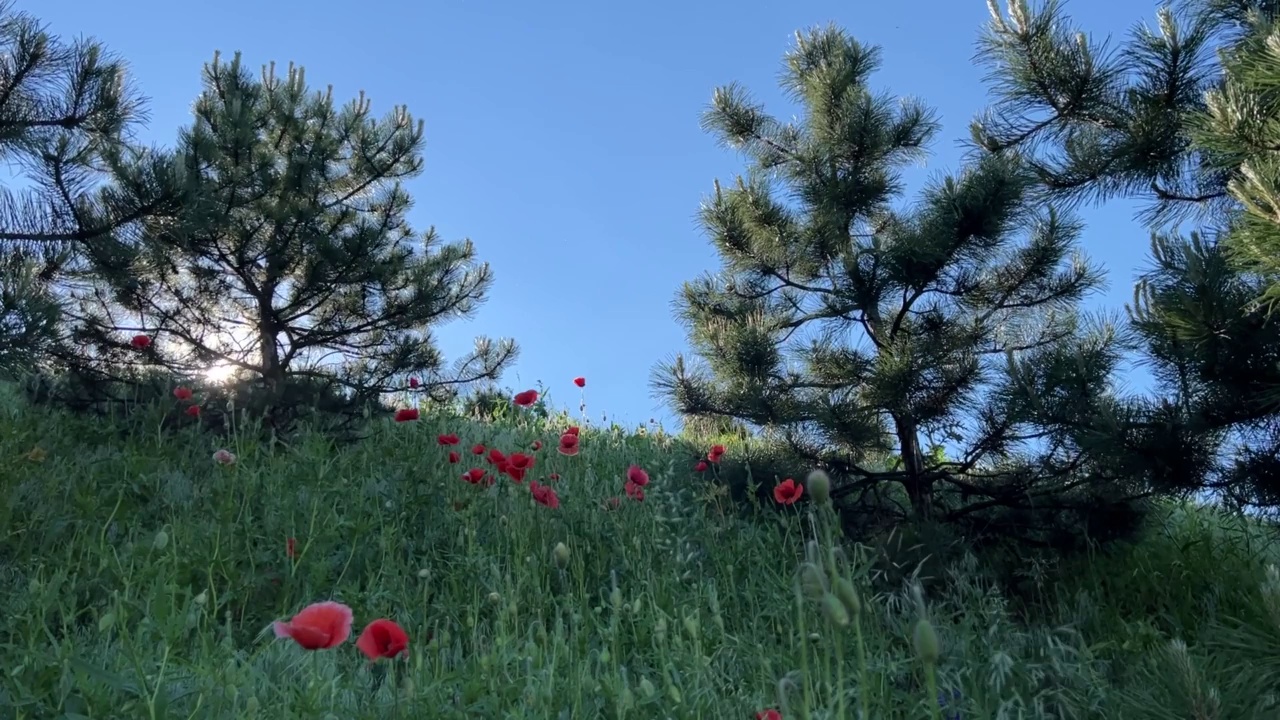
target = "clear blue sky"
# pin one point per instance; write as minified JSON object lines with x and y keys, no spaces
{"x":563,"y":138}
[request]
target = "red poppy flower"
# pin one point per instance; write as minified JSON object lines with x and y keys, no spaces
{"x":768,"y":715}
{"x":612,"y":503}
{"x":182,"y":393}
{"x":141,"y":342}
{"x":194,"y":411}
{"x":413,"y":382}
{"x":291,"y":547}
{"x":788,"y":492}
{"x":580,"y":381}
{"x":553,"y":476}
{"x":573,"y":430}
{"x":637,"y":475}
{"x":526,"y":398}
{"x":568,"y":444}
{"x":497,"y":459}
{"x":454,"y":457}
{"x":537,"y":445}
{"x":517,"y":465}
{"x":544,"y":495}
{"x":382,"y":639}
{"x":449,"y":439}
{"x":474,"y":475}
{"x":477,"y":449}
{"x":634,"y":491}
{"x":717,"y":451}
{"x":406,"y":414}
{"x":701,"y":466}
{"x":319,"y":626}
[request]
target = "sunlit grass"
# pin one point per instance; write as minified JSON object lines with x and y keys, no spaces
{"x":140,"y":578}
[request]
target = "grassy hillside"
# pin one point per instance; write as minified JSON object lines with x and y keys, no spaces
{"x":139,"y":578}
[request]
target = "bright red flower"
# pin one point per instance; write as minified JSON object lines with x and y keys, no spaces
{"x":194,"y":411}
{"x":553,"y":476}
{"x":406,"y":414}
{"x":454,"y":457}
{"x":580,"y":381}
{"x":517,"y":465}
{"x":141,"y":342}
{"x":319,"y":626}
{"x":717,"y":452}
{"x":449,"y":439}
{"x":544,"y":495}
{"x":474,"y":475}
{"x":526,"y":398}
{"x":637,"y":475}
{"x":768,"y":715}
{"x":701,"y":466}
{"x":182,"y":393}
{"x":477,"y":449}
{"x":788,"y":492}
{"x":497,"y":459}
{"x":573,"y":430}
{"x":291,"y":547}
{"x":413,"y":382}
{"x":382,"y":639}
{"x":634,"y":491}
{"x":568,"y":444}
{"x":537,"y":445}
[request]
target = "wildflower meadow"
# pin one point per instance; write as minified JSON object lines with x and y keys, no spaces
{"x":546,"y":568}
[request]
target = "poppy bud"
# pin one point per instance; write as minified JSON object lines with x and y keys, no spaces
{"x":162,"y":540}
{"x":674,"y":692}
{"x":202,"y":598}
{"x":660,"y":630}
{"x":495,"y":598}
{"x":605,"y":657}
{"x":424,"y":573}
{"x":252,"y":706}
{"x":691,"y":626}
{"x":615,"y":598}
{"x":812,"y":580}
{"x":834,"y":610}
{"x":926,"y":642}
{"x":849,"y":596}
{"x":647,"y":687}
{"x":561,"y":555}
{"x":819,"y":486}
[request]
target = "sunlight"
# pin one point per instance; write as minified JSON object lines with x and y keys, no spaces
{"x":220,"y":373}
{"x":234,"y":341}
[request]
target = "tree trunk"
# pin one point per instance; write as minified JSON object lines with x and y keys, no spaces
{"x":919,"y":487}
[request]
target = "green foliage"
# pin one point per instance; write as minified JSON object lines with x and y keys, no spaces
{"x":1166,"y":120}
{"x":140,"y":578}
{"x":1242,"y":123}
{"x":849,"y":329}
{"x":1095,"y":124}
{"x":292,"y":257}
{"x":65,"y":111}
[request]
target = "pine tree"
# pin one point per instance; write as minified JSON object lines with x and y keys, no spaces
{"x":65,"y":114}
{"x":849,"y":327}
{"x":293,"y":259}
{"x":1242,"y":124}
{"x":1179,"y":117}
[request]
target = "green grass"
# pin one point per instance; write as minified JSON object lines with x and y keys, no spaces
{"x":139,"y":579}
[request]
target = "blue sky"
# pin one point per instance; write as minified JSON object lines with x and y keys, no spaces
{"x":563,"y":137}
